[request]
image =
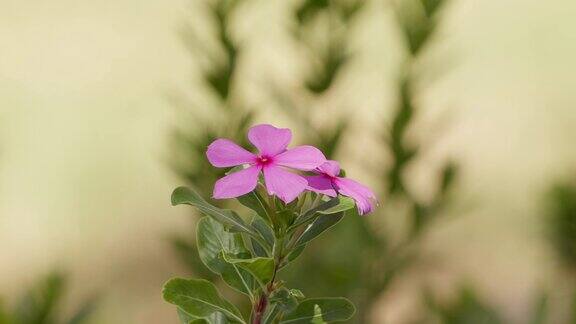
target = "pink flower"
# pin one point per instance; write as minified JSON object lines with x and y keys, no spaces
{"x":328,"y":183}
{"x":271,"y":160}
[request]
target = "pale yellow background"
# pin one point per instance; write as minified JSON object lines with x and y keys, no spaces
{"x":84,"y":183}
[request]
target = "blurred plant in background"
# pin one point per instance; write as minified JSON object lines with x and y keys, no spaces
{"x":365,"y":277}
{"x":560,"y":223}
{"x":559,"y":208}
{"x":218,"y":58}
{"x":466,"y":308}
{"x":322,"y":29}
{"x":42,"y":305}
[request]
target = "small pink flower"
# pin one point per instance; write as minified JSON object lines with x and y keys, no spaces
{"x":328,"y":183}
{"x":271,"y":160}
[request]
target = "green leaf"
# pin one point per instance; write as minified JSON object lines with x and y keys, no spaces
{"x":330,"y":310}
{"x":285,"y":217}
{"x":199,"y":298}
{"x":267,"y":235}
{"x":214,"y":318}
{"x":284,"y":300}
{"x":297,"y":293}
{"x":198,"y":321}
{"x":256,"y":202}
{"x":332,"y":206}
{"x":185,"y":318}
{"x":294,"y":254}
{"x":264,"y":230}
{"x":320,"y":225}
{"x":261,"y":268}
{"x":213,"y":242}
{"x":258,"y":250}
{"x":344,"y":204}
{"x":183,"y":195}
{"x":317,"y":316}
{"x":270,"y":315}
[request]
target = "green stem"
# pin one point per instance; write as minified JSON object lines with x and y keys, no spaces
{"x":260,"y":306}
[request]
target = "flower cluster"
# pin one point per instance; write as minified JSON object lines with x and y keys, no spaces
{"x":272,"y":160}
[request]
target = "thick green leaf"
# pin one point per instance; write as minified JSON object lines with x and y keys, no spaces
{"x":270,"y":315}
{"x":320,"y":225}
{"x":261,"y":268}
{"x":297,"y":293}
{"x":317,"y":316}
{"x":183,"y":195}
{"x":294,"y":254}
{"x":258,"y":250}
{"x":284,"y":300}
{"x":187,"y":319}
{"x":262,"y":249}
{"x":331,"y":310}
{"x":285,"y":216}
{"x":199,"y":299}
{"x":198,"y":321}
{"x":264,"y":230}
{"x":213,"y":242}
{"x":332,"y":206}
{"x":255,"y":201}
{"x":214,"y":318}
{"x":344,"y":204}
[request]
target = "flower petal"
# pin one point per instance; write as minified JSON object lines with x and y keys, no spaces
{"x":285,"y":185}
{"x":223,"y":153}
{"x":330,"y":167}
{"x":321,"y":185}
{"x":364,"y":197}
{"x":301,"y":157}
{"x":269,"y":140}
{"x":237,"y":184}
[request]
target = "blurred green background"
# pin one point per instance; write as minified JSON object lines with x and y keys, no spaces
{"x":94,"y":94}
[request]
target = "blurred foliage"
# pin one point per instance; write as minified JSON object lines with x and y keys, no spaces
{"x":377,"y":256}
{"x":540,"y":309}
{"x":466,"y":308}
{"x":561,"y":223}
{"x":321,"y":28}
{"x":42,"y":303}
{"x":328,"y":52}
{"x":229,"y":118}
{"x":375,"y":260}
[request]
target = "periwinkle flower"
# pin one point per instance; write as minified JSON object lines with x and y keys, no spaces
{"x":272,"y":159}
{"x":330,"y":184}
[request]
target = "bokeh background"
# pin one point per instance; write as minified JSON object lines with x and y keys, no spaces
{"x":92,"y":94}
